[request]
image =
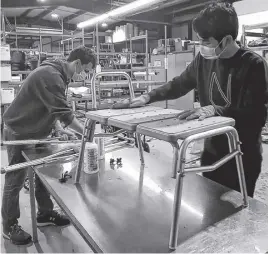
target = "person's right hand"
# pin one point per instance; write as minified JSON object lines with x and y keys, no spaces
{"x":140,"y":101}
{"x":135,"y":103}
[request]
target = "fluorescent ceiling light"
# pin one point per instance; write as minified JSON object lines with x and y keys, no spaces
{"x":118,"y":12}
{"x":93,"y":21}
{"x":54,"y":15}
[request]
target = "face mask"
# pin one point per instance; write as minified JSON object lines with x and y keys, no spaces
{"x":210,"y":53}
{"x":79,"y":76}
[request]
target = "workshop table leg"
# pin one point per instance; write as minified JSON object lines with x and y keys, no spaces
{"x":177,"y":197}
{"x":32,"y":202}
{"x":138,"y":136}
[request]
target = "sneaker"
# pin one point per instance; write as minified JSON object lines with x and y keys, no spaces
{"x":16,"y":235}
{"x":52,"y":218}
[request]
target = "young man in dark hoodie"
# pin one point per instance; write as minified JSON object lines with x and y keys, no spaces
{"x":40,"y":103}
{"x":231,"y":82}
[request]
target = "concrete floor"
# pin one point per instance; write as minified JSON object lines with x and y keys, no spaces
{"x":67,"y":240}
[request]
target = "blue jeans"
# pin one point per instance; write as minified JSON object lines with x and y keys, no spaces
{"x":14,"y":182}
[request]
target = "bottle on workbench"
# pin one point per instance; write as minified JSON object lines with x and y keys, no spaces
{"x":91,"y":164}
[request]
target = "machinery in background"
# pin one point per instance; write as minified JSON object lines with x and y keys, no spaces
{"x":174,"y":65}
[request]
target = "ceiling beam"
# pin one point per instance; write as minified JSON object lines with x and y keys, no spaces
{"x":46,"y":23}
{"x":184,"y":18}
{"x":94,"y":6}
{"x":25,"y":13}
{"x":194,"y":5}
{"x":187,"y":8}
{"x":45,"y":12}
{"x":74,"y":15}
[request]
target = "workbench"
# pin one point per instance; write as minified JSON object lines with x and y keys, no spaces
{"x":128,"y":208}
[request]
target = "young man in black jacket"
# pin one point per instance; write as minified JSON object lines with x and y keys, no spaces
{"x":40,"y":104}
{"x":232,"y":82}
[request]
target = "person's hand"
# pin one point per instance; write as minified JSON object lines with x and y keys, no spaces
{"x":198,"y":113}
{"x":140,"y":101}
{"x":134,"y":103}
{"x":65,"y":135}
{"x":121,"y":104}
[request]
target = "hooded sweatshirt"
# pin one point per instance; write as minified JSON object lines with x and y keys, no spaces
{"x":40,"y":102}
{"x":236,"y":87}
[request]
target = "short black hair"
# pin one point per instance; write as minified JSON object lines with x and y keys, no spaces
{"x":217,"y":20}
{"x":84,"y":54}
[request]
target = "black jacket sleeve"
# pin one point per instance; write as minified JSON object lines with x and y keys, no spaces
{"x":177,"y":87}
{"x":251,"y":110}
{"x":52,"y":94}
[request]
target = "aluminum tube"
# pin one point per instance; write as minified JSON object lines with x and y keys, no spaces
{"x":36,"y":142}
{"x":204,"y":135}
{"x":32,"y":202}
{"x":101,"y":148}
{"x":97,"y":43}
{"x":240,"y":168}
{"x":138,"y":136}
{"x":93,"y":93}
{"x":108,"y":134}
{"x":175,"y":160}
{"x":34,"y":162}
{"x":214,"y":166}
{"x":116,"y":144}
{"x":93,"y":84}
{"x":174,"y":231}
{"x":86,"y":132}
{"x":147,"y":54}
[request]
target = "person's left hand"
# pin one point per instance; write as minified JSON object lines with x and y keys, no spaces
{"x":198,"y":113}
{"x":65,"y":135}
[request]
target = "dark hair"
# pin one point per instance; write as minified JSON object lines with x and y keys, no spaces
{"x":217,"y":20}
{"x":86,"y":56}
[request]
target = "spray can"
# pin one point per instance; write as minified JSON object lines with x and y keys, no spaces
{"x":91,"y":164}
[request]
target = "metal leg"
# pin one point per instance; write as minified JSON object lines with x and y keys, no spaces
{"x":233,"y":137}
{"x":88,"y":134}
{"x":32,"y":202}
{"x":175,"y":160}
{"x":73,"y":105}
{"x":138,"y":136}
{"x":101,"y":148}
{"x":177,"y":198}
{"x":234,"y":146}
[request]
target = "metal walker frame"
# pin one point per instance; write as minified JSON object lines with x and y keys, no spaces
{"x":89,"y":126}
{"x":179,"y":170}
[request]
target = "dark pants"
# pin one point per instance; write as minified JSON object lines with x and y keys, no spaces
{"x":14,"y":182}
{"x":227,"y":174}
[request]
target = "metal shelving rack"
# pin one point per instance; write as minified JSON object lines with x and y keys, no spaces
{"x":131,"y":39}
{"x":247,"y":33}
{"x":39,"y":33}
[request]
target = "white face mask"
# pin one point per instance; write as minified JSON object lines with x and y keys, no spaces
{"x":210,"y":53}
{"x":79,"y":76}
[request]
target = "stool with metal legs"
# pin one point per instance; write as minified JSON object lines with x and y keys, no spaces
{"x":172,"y":130}
{"x":102,"y":117}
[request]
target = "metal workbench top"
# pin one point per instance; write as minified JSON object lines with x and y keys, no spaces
{"x":129,"y":209}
